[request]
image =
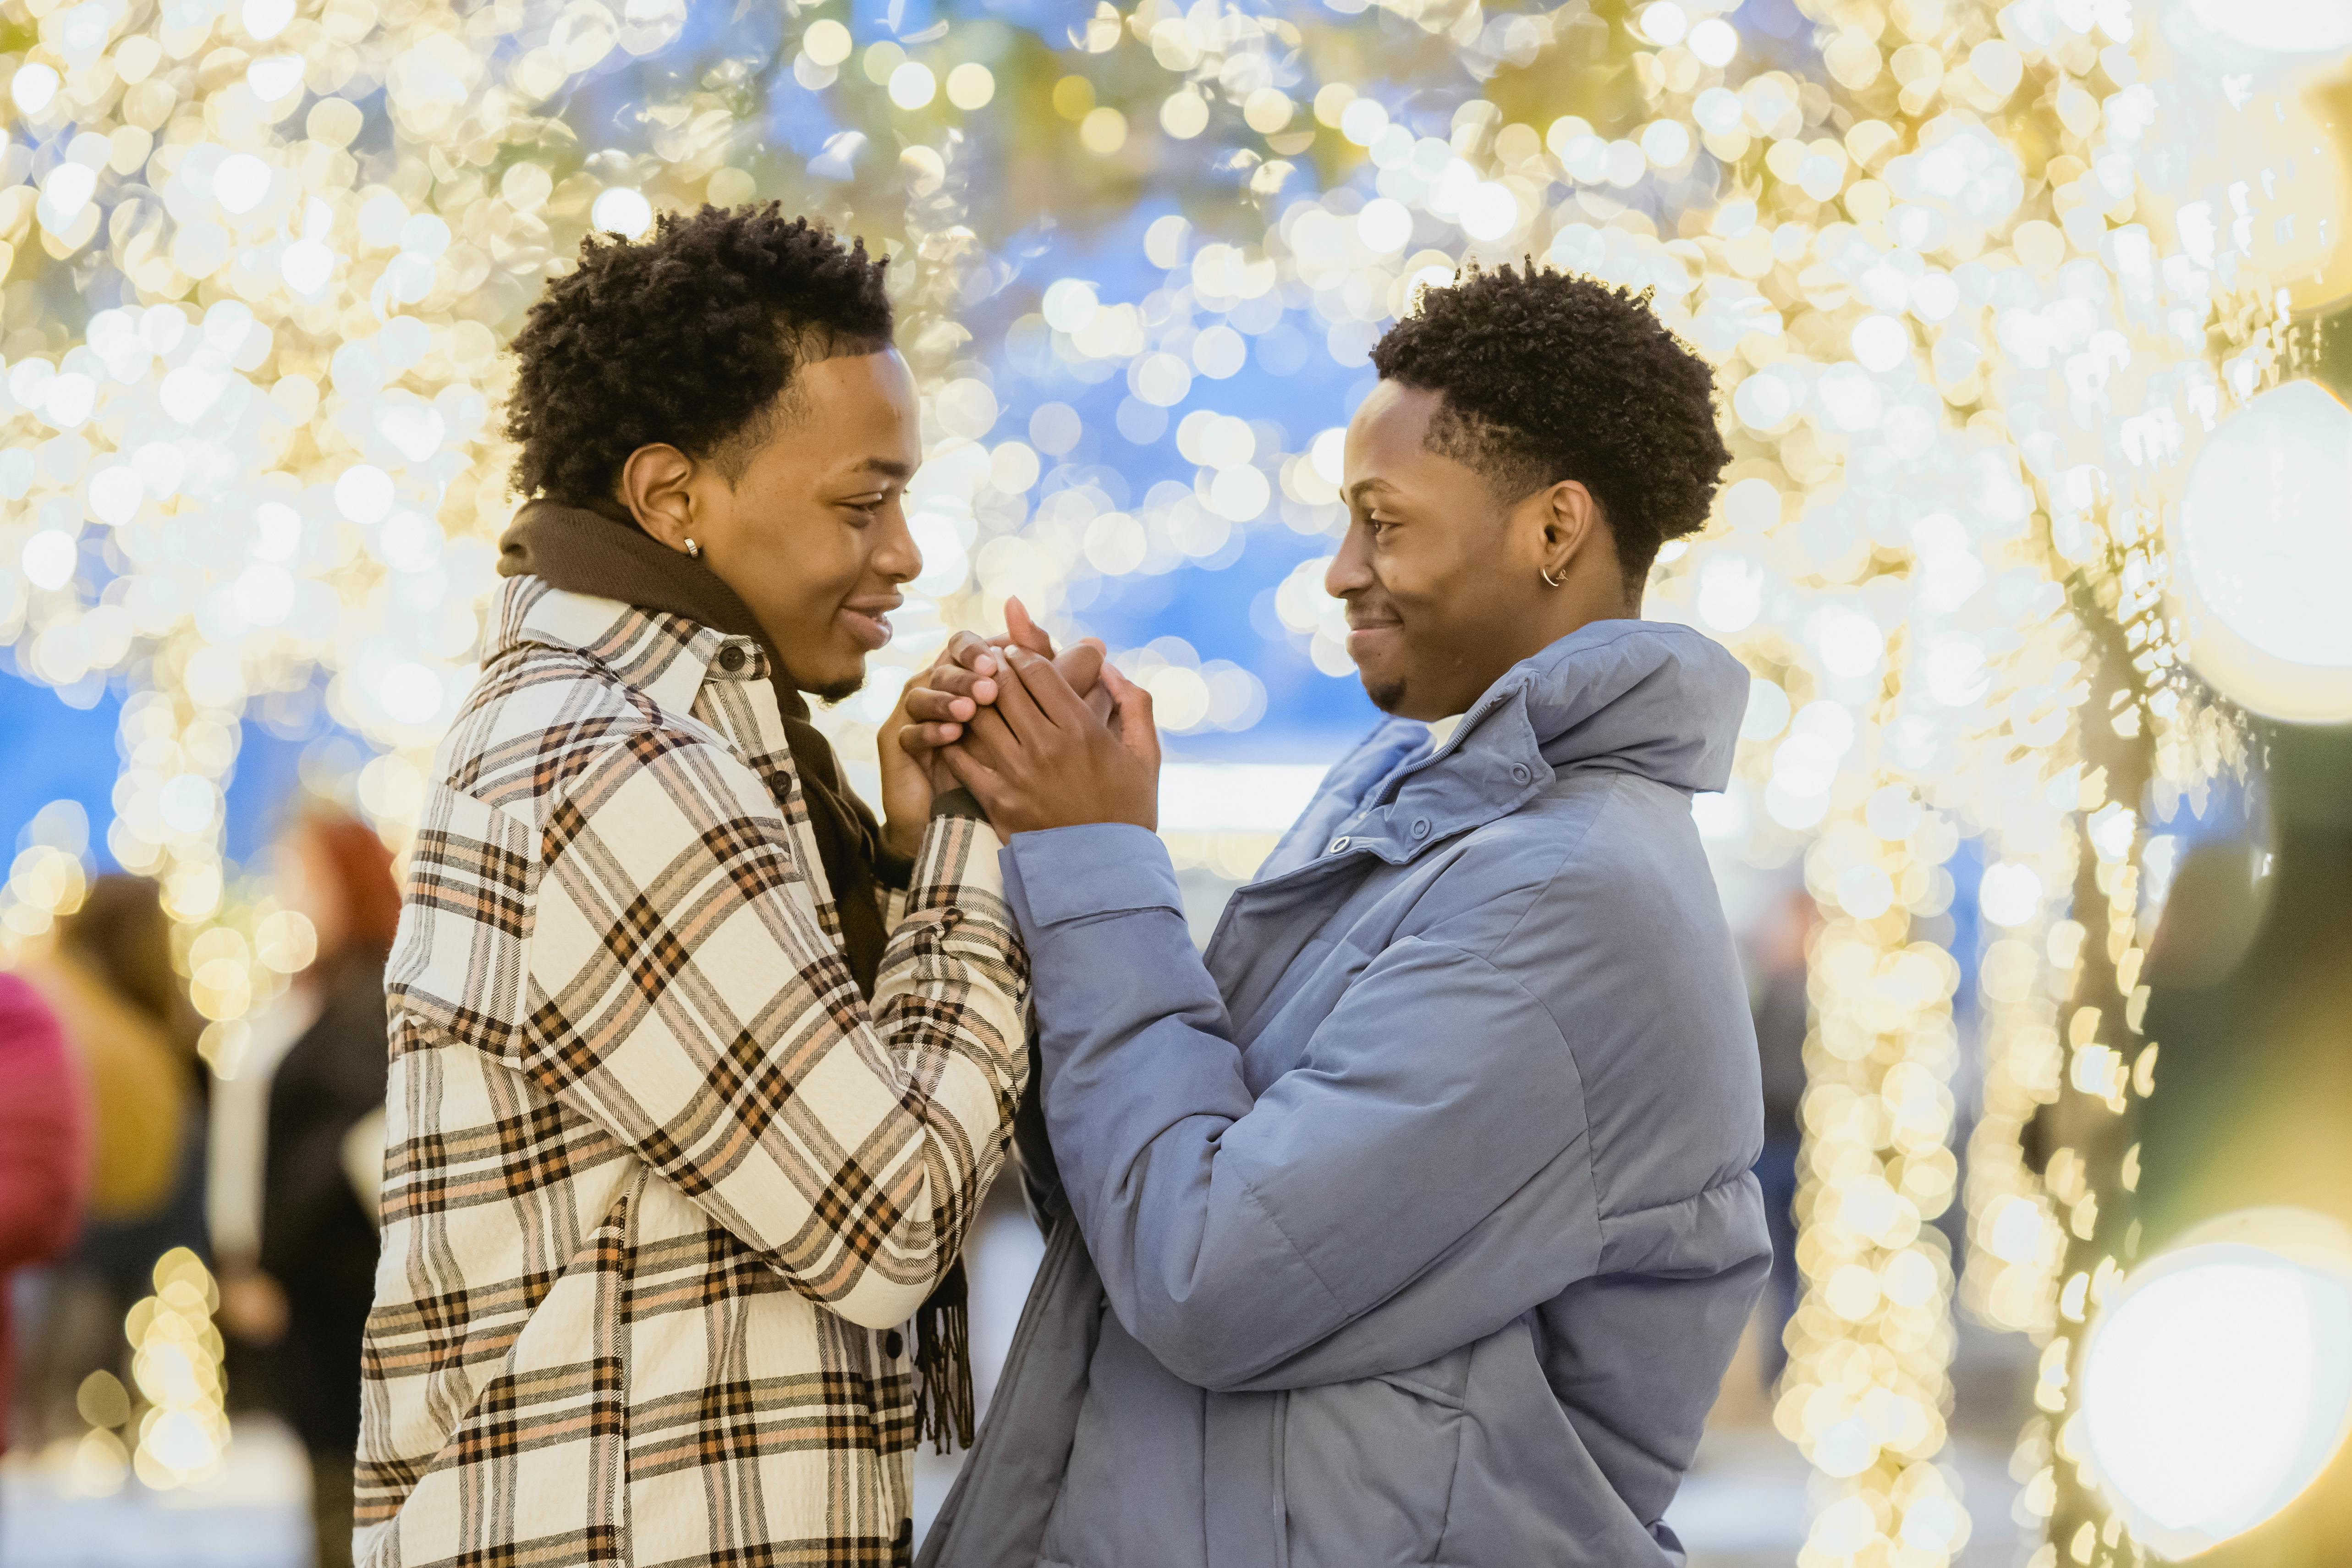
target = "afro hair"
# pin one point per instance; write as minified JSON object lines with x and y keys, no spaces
{"x":1548,"y":376}
{"x":685,"y":338}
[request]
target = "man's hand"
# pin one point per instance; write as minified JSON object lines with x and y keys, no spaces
{"x":1039,"y":758}
{"x":942,"y":700}
{"x":912,"y":771}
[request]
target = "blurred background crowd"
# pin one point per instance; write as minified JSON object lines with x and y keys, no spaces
{"x":139,"y":1177}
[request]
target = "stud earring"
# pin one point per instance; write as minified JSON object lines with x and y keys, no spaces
{"x":1550,"y":578}
{"x":693,"y":550}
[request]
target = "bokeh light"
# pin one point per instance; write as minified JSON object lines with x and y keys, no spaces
{"x":2264,"y":535}
{"x":2218,"y":1383}
{"x":1977,"y":281}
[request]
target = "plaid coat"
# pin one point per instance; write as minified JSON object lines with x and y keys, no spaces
{"x":659,"y":1183}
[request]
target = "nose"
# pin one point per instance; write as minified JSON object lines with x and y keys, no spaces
{"x":896,"y":554}
{"x":1350,"y":571}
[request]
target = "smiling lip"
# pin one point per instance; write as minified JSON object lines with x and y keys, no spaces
{"x":869,"y":622}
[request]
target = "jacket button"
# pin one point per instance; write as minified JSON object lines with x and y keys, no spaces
{"x":1337,"y":845}
{"x":1520,"y":771}
{"x":893,"y":1345}
{"x":730,"y":657}
{"x":1420,"y":827}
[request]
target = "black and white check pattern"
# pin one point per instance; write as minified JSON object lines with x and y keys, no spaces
{"x":659,"y":1181}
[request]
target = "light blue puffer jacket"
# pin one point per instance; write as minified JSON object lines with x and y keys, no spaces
{"x":1421,"y":1207}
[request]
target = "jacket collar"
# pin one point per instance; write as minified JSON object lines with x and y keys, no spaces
{"x":1649,"y":697}
{"x":667,"y":657}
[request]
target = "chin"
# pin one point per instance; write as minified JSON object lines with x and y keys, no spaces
{"x":1387,"y":694}
{"x":836,"y":691}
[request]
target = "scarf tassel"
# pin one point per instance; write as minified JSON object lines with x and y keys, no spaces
{"x":943,"y":1396}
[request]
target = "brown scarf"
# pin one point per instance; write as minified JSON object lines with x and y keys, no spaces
{"x":597,"y":549}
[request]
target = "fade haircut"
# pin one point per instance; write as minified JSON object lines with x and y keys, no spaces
{"x":686,"y":337}
{"x":1547,"y":376}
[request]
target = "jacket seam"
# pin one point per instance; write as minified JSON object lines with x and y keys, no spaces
{"x":1719,"y":1184}
{"x":1304,"y":1262}
{"x":1591,"y":1134}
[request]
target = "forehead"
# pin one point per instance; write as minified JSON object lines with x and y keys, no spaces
{"x":852,"y":410}
{"x":1393,"y":422}
{"x":1387,"y":444}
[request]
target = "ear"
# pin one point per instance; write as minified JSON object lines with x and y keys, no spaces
{"x":1572,"y":527}
{"x":657,"y":488}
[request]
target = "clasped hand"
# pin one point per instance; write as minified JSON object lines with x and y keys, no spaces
{"x":1040,"y":743}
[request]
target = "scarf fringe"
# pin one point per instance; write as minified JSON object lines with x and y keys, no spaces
{"x":943,"y":1395}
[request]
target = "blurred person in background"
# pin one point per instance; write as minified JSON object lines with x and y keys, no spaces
{"x":1776,"y":997}
{"x":300,"y":1284}
{"x":44,"y":1149}
{"x":108,"y":978}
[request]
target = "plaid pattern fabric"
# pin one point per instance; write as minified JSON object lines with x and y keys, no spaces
{"x":660,"y":1184}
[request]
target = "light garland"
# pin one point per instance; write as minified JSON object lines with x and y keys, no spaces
{"x":1961,"y":294}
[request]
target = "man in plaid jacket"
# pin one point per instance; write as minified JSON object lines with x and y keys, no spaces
{"x":698,"y":1074}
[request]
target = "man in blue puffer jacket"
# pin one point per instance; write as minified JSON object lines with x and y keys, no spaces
{"x":1412,"y":1224}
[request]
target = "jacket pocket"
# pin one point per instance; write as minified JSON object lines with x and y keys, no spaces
{"x":1368,"y":1468}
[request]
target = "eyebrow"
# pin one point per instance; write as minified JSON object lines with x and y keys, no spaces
{"x":888,"y":467}
{"x":1362,"y":487}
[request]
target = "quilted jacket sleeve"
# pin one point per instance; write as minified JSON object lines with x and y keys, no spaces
{"x":1252,"y":1241}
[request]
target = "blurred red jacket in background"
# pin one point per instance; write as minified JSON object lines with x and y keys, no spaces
{"x":44,"y":1149}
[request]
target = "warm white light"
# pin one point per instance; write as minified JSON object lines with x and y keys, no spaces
{"x":307,"y":267}
{"x":826,"y":42}
{"x":2218,"y":1384}
{"x":622,"y":211}
{"x":1184,"y":114}
{"x":49,"y":559}
{"x":912,"y":85}
{"x":1385,"y":225}
{"x":970,"y":86}
{"x":65,"y":190}
{"x":1713,"y":41}
{"x":1489,"y":211}
{"x":1069,"y":304}
{"x":2009,"y":895}
{"x":1880,"y":344}
{"x":2283,"y":26}
{"x":272,"y":77}
{"x":33,"y":87}
{"x":265,"y":19}
{"x":2264,"y":535}
{"x":241,"y":183}
{"x":1665,"y":143}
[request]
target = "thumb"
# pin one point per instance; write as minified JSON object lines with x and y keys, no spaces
{"x":1132,"y":708}
{"x":1024,"y":632}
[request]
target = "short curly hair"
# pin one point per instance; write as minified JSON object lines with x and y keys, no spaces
{"x":685,"y":337}
{"x":1548,"y":376}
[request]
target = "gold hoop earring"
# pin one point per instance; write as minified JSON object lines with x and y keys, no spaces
{"x":693,"y":550}
{"x":1550,"y":578}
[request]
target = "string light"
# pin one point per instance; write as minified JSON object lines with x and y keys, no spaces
{"x":183,"y":1434}
{"x":1961,"y":294}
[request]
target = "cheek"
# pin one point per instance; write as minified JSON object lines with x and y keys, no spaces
{"x":834,"y":562}
{"x":1414,"y":575}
